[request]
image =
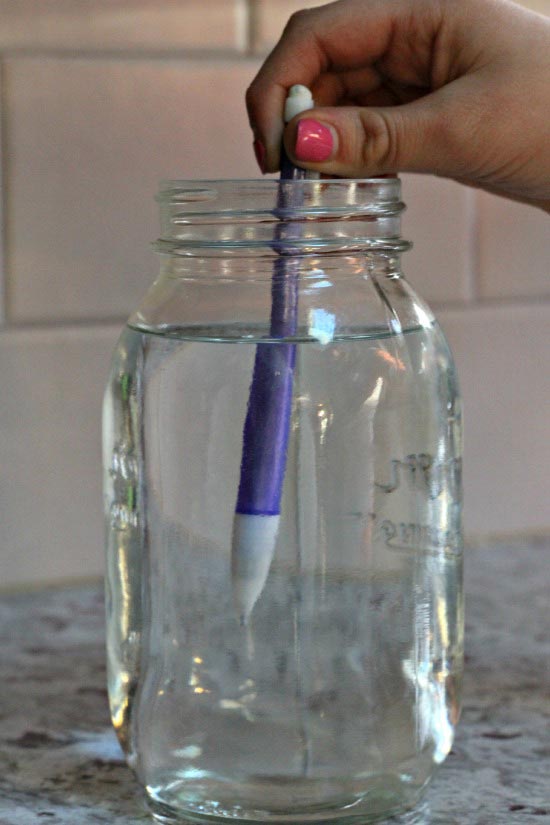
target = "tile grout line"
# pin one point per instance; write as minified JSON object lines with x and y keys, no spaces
{"x":200,"y":54}
{"x":503,"y":303}
{"x":473,"y":242}
{"x":62,"y":326}
{"x":72,"y":325}
{"x":243,"y":24}
{"x":3,"y":210}
{"x":252,"y":30}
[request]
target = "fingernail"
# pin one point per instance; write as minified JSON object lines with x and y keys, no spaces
{"x":314,"y":141}
{"x":259,"y":151}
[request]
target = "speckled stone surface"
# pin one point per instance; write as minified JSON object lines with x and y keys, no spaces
{"x":60,"y":762}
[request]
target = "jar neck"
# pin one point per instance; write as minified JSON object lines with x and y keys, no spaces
{"x":266,"y":219}
{"x":313,"y":268}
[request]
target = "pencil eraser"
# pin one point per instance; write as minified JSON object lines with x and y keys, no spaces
{"x":299,"y":100}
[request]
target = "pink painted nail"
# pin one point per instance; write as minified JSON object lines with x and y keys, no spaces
{"x":259,"y":151}
{"x":314,"y":141}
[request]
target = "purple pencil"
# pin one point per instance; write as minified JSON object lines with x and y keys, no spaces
{"x":267,"y":424}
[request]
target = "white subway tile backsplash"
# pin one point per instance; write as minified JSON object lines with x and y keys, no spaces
{"x":88,"y":141}
{"x":50,"y":452}
{"x":270,"y":18}
{"x":124,"y":24}
{"x":502,"y":359}
{"x":438,"y":221}
{"x":514,"y":249}
{"x":2,"y":226}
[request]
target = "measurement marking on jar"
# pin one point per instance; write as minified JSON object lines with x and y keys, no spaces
{"x":412,"y":536}
{"x":422,"y":471}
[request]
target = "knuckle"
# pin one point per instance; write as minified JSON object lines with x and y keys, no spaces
{"x":380,"y":141}
{"x":298,"y":20}
{"x":253,"y":100}
{"x":250,"y":96}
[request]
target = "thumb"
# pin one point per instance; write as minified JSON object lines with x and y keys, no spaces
{"x":365,"y":141}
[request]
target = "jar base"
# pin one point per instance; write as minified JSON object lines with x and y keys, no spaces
{"x":365,"y":811}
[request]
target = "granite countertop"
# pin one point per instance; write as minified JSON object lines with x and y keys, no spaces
{"x":60,"y":762}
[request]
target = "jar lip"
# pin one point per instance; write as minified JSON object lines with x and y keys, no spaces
{"x":202,"y":190}
{"x":289,"y":217}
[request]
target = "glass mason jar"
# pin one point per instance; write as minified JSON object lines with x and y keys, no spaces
{"x":284,"y":599}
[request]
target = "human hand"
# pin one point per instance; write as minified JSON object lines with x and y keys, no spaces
{"x":457,"y":89}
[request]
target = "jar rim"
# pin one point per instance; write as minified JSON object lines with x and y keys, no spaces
{"x":286,"y":216}
{"x":207,"y":189}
